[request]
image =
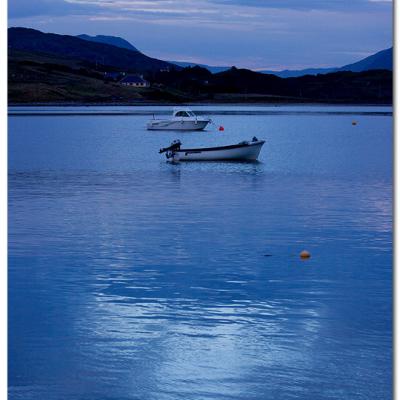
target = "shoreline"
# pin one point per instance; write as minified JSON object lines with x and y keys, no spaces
{"x":310,"y":109}
{"x":207,"y":103}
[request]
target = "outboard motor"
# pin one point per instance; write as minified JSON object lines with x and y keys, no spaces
{"x":171,"y":150}
{"x":175,"y":145}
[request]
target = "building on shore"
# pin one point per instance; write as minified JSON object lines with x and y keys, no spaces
{"x":133,"y":80}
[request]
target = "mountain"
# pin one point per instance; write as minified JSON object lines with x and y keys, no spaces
{"x":113,"y":40}
{"x":211,"y":68}
{"x":288,"y":73}
{"x":46,"y":67}
{"x":92,"y":53}
{"x":380,"y":60}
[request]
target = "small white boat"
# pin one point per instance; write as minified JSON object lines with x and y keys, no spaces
{"x":183,"y":119}
{"x":243,"y":151}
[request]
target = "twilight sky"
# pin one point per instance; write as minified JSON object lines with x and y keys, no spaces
{"x":257,"y":34}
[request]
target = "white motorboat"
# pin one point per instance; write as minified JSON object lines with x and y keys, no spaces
{"x":243,"y":151}
{"x":183,"y":119}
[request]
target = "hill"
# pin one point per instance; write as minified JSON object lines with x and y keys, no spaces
{"x":289,"y":73}
{"x":373,"y":86}
{"x":210,"y":68}
{"x":381,"y":60}
{"x":31,"y":40}
{"x":61,"y":68}
{"x":112,"y":40}
{"x":41,"y":78}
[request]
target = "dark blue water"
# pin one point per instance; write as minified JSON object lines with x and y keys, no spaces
{"x":131,"y":278}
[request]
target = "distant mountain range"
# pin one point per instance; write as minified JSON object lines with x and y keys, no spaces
{"x":88,"y":50}
{"x":381,"y":60}
{"x":211,"y":68}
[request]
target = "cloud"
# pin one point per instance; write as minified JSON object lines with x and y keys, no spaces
{"x":219,"y":9}
{"x":33,"y":8}
{"x":334,"y":5}
{"x":153,"y":7}
{"x":252,"y":33}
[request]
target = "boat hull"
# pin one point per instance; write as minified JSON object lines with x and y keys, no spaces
{"x":240,"y":152}
{"x":178,"y":125}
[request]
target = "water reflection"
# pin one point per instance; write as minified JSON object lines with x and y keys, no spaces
{"x":131,"y":278}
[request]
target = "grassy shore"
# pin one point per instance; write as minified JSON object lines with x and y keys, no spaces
{"x":37,"y":80}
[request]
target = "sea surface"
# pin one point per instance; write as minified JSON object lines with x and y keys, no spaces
{"x":130,"y":278}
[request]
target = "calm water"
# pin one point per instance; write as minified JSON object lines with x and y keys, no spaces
{"x":131,"y":278}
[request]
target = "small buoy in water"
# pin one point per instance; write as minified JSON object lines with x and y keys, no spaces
{"x":305,"y":254}
{"x":221,"y":128}
{"x":354,"y":123}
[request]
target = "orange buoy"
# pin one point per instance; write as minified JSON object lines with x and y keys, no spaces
{"x":305,"y":254}
{"x":221,"y":128}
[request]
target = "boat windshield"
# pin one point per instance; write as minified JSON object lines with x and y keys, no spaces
{"x":181,"y":114}
{"x":184,"y":114}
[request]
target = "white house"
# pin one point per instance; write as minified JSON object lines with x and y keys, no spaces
{"x":135,"y":81}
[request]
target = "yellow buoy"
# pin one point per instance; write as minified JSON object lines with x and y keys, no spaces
{"x":354,"y":123}
{"x":305,"y":254}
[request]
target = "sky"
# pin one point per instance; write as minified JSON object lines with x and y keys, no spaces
{"x":255,"y":34}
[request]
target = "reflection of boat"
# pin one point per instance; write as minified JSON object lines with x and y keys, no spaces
{"x":243,"y":151}
{"x":183,"y":119}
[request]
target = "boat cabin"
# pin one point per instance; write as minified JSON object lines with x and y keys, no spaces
{"x":183,"y":113}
